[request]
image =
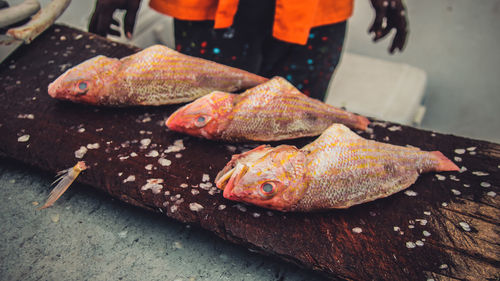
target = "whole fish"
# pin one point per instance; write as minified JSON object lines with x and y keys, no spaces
{"x":338,"y":170}
{"x":154,"y":76}
{"x":271,"y":111}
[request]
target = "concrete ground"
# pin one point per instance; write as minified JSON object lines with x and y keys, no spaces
{"x":89,"y":236}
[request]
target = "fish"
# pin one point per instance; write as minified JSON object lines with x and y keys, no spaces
{"x":272,"y":111}
{"x":154,"y":76}
{"x":338,"y":170}
{"x":42,"y":20}
{"x":65,"y":179}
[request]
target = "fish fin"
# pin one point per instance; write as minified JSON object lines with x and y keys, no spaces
{"x":66,"y":178}
{"x":444,"y":164}
{"x":363,"y":123}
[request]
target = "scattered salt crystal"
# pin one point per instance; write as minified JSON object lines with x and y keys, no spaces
{"x":123,"y":158}
{"x":396,"y":228}
{"x":221,"y":207}
{"x":386,"y":138}
{"x":146,"y":119}
{"x":472,"y":148}
{"x":184,"y":185}
{"x":394,"y":128}
{"x":472,"y":153}
{"x":466,"y":185}
{"x":174,"y":208}
{"x":491,"y":194}
{"x":457,"y":159}
{"x":165,"y":204}
{"x":411,"y":226}
{"x":231,"y":148}
{"x":149,"y":167}
{"x":465,"y":226}
{"x":459,"y":151}
{"x":422,"y":221}
{"x":440,"y":177}
{"x":164,"y":162}
{"x":195,"y":191}
{"x":130,"y":178}
{"x":178,"y":155}
{"x":256,"y":215}
{"x":454,"y":178}
{"x":167,"y":193}
{"x":444,"y":204}
{"x":78,"y":37}
{"x":206,"y":186}
{"x":133,"y":154}
{"x":99,"y":129}
{"x":154,"y":185}
{"x":410,"y":193}
{"x":240,"y":207}
{"x":427,"y":213}
{"x":205,"y":178}
{"x":93,"y":145}
{"x":456,"y":192}
{"x":23,"y":138}
{"x":176,"y":147}
{"x":195,"y":207}
{"x":419,"y":243}
{"x":485,"y":184}
{"x":410,"y":245}
{"x":81,"y":152}
{"x":462,"y":169}
{"x":443,"y":266}
{"x":145,"y":142}
{"x":426,"y":233}
{"x":26,"y":116}
{"x":480,"y":174}
{"x":357,"y":230}
{"x":81,"y":130}
{"x":153,"y":153}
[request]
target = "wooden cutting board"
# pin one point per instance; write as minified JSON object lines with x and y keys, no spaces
{"x":445,"y":226}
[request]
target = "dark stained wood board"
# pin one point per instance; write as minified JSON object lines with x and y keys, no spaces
{"x":448,"y":230}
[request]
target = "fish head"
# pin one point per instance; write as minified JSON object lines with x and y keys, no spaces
{"x":205,"y":117}
{"x":86,"y":82}
{"x":268,"y":177}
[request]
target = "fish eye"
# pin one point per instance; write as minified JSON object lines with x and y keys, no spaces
{"x":82,"y":88}
{"x":268,"y":188}
{"x":201,"y":121}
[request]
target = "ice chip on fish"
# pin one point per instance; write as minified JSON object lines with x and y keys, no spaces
{"x":338,"y":170}
{"x":154,"y":76}
{"x":272,"y":111}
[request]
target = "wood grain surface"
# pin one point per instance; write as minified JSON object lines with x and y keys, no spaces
{"x":444,"y":227}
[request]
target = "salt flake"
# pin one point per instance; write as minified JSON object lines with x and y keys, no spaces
{"x":23,"y":138}
{"x":195,"y":207}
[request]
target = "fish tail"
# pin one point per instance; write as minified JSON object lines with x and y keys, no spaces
{"x":444,"y":164}
{"x":63,"y":182}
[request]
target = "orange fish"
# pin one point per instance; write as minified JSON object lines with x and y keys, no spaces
{"x":272,"y":111}
{"x":154,"y":76}
{"x":338,"y":170}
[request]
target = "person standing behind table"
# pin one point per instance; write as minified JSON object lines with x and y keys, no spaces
{"x":300,"y":40}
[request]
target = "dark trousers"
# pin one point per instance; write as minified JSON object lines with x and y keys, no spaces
{"x":248,"y":44}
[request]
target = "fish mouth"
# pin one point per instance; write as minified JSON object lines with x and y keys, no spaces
{"x":53,"y":89}
{"x":229,"y":177}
